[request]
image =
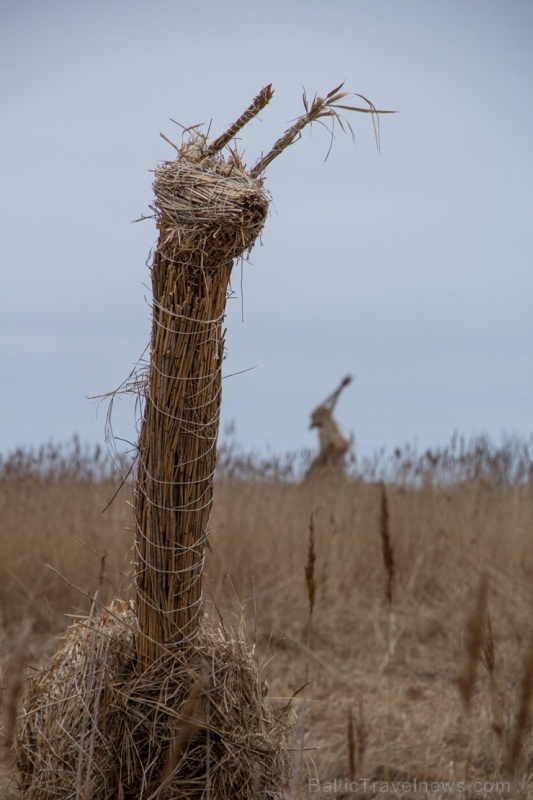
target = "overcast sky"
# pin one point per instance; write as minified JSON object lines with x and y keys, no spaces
{"x":410,"y":268}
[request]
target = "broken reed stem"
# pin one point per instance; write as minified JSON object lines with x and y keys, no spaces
{"x":262,"y":99}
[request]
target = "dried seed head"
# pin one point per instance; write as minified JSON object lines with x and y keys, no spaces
{"x":386,"y":542}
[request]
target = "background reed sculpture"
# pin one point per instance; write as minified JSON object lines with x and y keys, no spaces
{"x":152,"y":699}
{"x":330,"y":461}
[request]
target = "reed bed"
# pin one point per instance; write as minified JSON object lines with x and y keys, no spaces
{"x":408,"y":714}
{"x":401,"y":599}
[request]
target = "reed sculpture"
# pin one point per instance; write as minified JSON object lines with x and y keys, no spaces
{"x":151,"y":699}
{"x":330,"y":463}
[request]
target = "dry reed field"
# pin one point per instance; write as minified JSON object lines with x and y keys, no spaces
{"x":394,"y":617}
{"x":250,"y":629}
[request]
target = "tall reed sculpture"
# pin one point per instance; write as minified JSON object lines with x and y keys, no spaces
{"x":210,"y":210}
{"x":154,"y":700}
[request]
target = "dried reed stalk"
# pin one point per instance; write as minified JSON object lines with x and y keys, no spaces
{"x":310,"y":567}
{"x":386,"y":545}
{"x":356,"y":737}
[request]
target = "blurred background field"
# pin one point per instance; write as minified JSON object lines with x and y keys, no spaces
{"x":384,"y":694}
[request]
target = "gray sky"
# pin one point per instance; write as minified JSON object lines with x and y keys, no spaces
{"x":409,"y":268}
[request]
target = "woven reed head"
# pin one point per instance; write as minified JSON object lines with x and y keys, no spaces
{"x":209,"y":204}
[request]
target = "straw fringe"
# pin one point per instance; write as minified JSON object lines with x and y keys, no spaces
{"x":92,"y":727}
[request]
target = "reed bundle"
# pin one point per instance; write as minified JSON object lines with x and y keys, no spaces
{"x":209,"y":212}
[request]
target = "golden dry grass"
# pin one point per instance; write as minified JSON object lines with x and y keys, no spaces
{"x":386,"y":696}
